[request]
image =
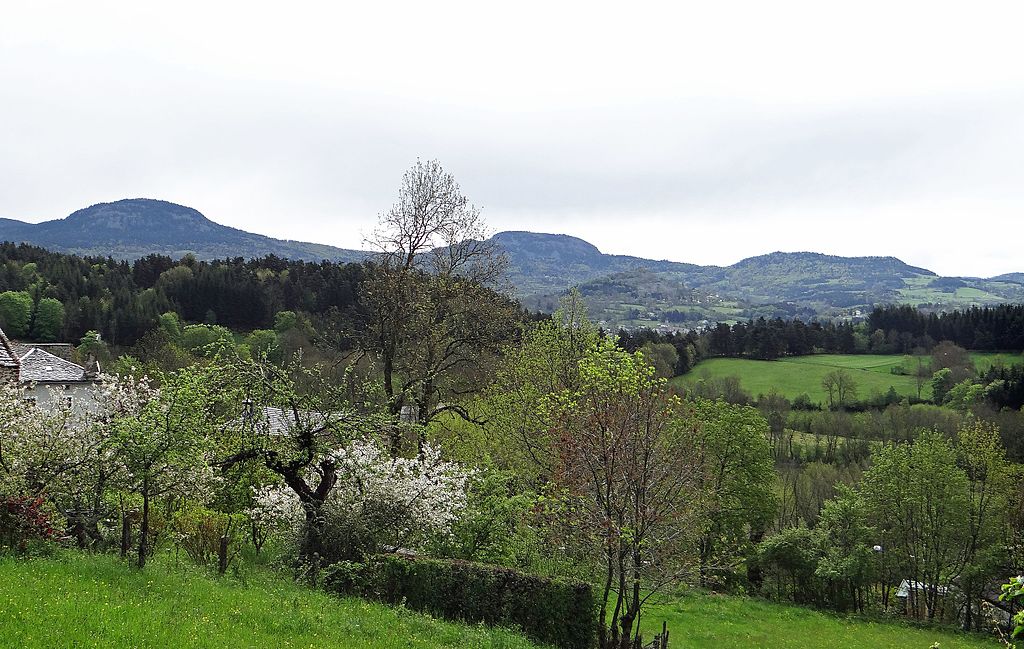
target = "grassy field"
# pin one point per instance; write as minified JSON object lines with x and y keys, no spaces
{"x":77,"y":600}
{"x":721,"y":622}
{"x":794,"y":376}
{"x":99,"y":601}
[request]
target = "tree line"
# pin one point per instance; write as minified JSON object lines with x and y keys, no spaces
{"x":49,"y":296}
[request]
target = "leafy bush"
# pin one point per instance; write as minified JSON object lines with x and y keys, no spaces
{"x":492,"y":528}
{"x":552,"y":611}
{"x":1014,"y":591}
{"x":24,"y":521}
{"x":198,"y":531}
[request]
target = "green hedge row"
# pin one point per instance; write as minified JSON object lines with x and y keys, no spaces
{"x":553,"y":611}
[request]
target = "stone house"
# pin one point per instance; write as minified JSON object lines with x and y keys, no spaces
{"x":45,"y":372}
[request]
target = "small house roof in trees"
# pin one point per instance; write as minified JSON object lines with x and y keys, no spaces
{"x":63,"y":350}
{"x":279,"y":421}
{"x":40,"y":366}
{"x":906,"y":586}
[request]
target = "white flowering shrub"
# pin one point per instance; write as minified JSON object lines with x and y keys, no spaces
{"x":42,"y":449}
{"x":379,"y":503}
{"x":275,"y":507}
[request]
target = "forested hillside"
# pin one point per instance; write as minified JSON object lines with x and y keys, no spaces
{"x":122,"y":299}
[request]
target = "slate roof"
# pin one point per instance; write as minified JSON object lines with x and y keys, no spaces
{"x":278,"y":422}
{"x":8,"y":358}
{"x":63,"y":350}
{"x":41,"y":366}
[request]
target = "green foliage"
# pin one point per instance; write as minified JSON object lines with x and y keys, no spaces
{"x":48,"y":320}
{"x":207,"y":340}
{"x":94,"y":347}
{"x":285,"y":321}
{"x":263,"y":343}
{"x":553,"y":611}
{"x":493,"y":527}
{"x":198,"y":531}
{"x":965,"y":395}
{"x":737,"y":456}
{"x":792,"y":557}
{"x":663,"y":357}
{"x":170,"y":322}
{"x":942,"y":382}
{"x":547,"y":362}
{"x":917,"y":498}
{"x":846,"y":565}
{"x":1014,"y":592}
{"x":15,"y":313}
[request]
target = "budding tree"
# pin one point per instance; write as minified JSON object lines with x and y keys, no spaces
{"x":433,"y":321}
{"x":630,"y":473}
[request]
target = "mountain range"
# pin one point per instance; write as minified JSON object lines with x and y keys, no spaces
{"x":136,"y":227}
{"x":620,"y":290}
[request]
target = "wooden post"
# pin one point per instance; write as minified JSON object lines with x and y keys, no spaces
{"x":222,"y":555}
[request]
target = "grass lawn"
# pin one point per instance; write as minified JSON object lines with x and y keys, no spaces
{"x":799,"y":374}
{"x":723,"y":622}
{"x":794,"y":376}
{"x":99,"y":601}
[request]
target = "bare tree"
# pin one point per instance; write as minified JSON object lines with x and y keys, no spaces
{"x":434,"y":320}
{"x":840,"y":387}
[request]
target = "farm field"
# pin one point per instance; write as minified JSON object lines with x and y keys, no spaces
{"x":99,"y":601}
{"x":723,"y":622}
{"x":794,"y":376}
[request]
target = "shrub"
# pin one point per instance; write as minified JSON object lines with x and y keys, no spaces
{"x":553,"y":611}
{"x":24,"y":521}
{"x":379,"y":503}
{"x":1014,"y":591}
{"x":198,"y":531}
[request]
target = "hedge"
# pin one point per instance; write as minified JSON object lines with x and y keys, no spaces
{"x":552,"y":611}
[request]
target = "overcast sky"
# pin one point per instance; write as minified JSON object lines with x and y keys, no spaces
{"x":703,"y":132}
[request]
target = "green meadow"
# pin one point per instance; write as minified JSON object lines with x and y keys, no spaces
{"x":700,"y":621}
{"x":794,"y":376}
{"x":78,"y":600}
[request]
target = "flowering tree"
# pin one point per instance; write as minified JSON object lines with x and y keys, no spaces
{"x":160,"y":439}
{"x":51,"y":455}
{"x":378,"y":502}
{"x":1014,"y":592}
{"x":41,"y":448}
{"x":292,"y":422}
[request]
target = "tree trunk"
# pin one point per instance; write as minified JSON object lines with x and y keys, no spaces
{"x":126,"y":531}
{"x":313,"y":541}
{"x":222,"y":555}
{"x":144,"y":528}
